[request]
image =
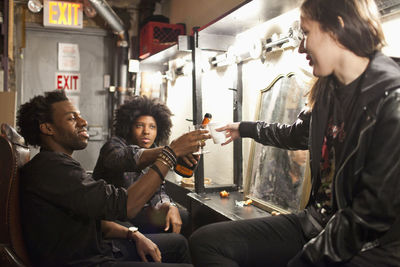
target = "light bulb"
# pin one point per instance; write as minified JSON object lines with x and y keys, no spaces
{"x":35,"y":6}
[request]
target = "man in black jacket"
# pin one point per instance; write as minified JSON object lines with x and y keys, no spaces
{"x":351,"y":129}
{"x":67,"y":214}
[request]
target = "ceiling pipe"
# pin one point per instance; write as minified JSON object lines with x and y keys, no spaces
{"x":108,"y":14}
{"x":117,"y":26}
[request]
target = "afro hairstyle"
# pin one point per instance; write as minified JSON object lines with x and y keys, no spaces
{"x":138,"y":106}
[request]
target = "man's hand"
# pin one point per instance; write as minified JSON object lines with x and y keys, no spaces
{"x":145,"y":246}
{"x":191,"y":159}
{"x":173,"y":218}
{"x":189,"y":143}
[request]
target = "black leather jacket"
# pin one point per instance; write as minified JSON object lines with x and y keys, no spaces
{"x":367,"y":181}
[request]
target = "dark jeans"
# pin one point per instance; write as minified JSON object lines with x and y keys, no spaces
{"x":270,"y":241}
{"x":174,"y":252}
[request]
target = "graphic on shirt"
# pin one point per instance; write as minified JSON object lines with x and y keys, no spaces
{"x":335,"y":135}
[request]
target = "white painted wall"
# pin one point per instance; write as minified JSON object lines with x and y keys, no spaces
{"x":391,"y":26}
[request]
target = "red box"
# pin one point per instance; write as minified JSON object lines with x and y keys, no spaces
{"x":156,"y":36}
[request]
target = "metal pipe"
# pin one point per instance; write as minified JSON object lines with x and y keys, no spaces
{"x":116,"y":24}
{"x":123,"y":70}
{"x":108,"y":14}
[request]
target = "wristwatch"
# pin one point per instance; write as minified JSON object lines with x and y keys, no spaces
{"x":131,"y":230}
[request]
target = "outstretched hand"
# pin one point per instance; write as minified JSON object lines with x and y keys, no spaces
{"x":232,"y":132}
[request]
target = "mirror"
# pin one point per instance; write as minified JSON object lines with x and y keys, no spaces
{"x":276,"y":177}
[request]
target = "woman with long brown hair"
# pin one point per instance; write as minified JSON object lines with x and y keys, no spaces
{"x":351,"y":130}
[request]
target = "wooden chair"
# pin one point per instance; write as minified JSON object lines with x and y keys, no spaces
{"x":13,"y":155}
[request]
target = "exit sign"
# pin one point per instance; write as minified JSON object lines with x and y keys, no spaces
{"x":62,"y":14}
{"x":70,"y":82}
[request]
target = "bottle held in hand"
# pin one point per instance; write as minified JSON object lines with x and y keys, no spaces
{"x":181,"y":167}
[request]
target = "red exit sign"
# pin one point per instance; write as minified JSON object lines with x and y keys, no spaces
{"x":62,"y":14}
{"x":70,"y":82}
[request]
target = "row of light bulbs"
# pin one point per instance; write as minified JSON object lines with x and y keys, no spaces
{"x":245,"y":51}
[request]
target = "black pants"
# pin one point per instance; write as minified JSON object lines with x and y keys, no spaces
{"x":174,"y":252}
{"x":270,"y":241}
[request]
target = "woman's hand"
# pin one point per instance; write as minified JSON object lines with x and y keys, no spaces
{"x":145,"y":246}
{"x":232,"y":132}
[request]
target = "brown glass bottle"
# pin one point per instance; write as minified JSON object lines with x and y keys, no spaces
{"x":181,"y":167}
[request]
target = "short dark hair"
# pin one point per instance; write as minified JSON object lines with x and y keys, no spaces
{"x":362,"y":32}
{"x":137,"y":106}
{"x":38,"y":110}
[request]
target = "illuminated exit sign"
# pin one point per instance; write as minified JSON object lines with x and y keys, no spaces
{"x":62,"y":14}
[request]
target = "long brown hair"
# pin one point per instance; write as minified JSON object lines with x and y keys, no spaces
{"x":314,"y":90}
{"x":361,"y":33}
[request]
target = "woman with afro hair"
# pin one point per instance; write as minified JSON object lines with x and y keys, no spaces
{"x":141,"y":124}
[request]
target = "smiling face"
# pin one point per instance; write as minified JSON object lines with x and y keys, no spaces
{"x":321,"y":48}
{"x":144,"y":131}
{"x":68,"y":129}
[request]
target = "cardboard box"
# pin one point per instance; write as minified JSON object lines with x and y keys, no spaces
{"x":8,"y":105}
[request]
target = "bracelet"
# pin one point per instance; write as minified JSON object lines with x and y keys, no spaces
{"x":170,"y":150}
{"x":164,"y":162}
{"x":165,"y":152}
{"x":157,"y":170}
{"x":167,"y":160}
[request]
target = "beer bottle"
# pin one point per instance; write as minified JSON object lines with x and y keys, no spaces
{"x":181,"y":167}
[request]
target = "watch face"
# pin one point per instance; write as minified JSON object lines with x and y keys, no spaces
{"x":133,"y":229}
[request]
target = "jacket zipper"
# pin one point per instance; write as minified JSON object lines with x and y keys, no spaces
{"x":351,"y":154}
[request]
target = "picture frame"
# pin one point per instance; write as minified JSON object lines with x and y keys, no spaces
{"x":278,"y":179}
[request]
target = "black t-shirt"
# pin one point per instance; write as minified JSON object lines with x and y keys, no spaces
{"x":341,"y":104}
{"x":62,"y":208}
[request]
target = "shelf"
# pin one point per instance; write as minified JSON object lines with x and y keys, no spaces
{"x":159,"y":61}
{"x":225,"y":207}
{"x":248,"y":15}
{"x":221,"y":32}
